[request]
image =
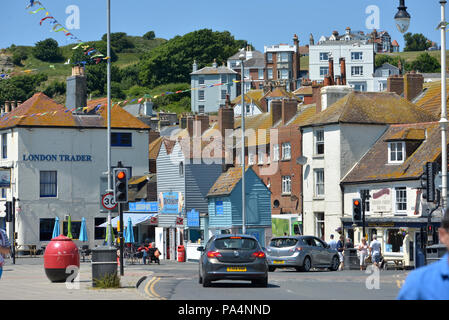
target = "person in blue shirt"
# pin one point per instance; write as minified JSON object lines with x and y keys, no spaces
{"x":432,"y":281}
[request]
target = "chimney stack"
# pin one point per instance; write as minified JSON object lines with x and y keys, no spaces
{"x":189,"y":125}
{"x":289,"y":110}
{"x":7,"y":106}
{"x":225,"y":119}
{"x":395,"y":83}
{"x":276,"y":111}
{"x":316,"y":96}
{"x":413,"y":85}
{"x":204,"y":122}
{"x":76,"y":96}
{"x":296,"y":62}
{"x":195,"y":66}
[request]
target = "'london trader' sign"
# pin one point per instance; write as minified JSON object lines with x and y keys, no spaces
{"x":57,"y":157}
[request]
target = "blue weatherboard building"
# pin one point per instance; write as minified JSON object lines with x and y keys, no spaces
{"x":225,"y":205}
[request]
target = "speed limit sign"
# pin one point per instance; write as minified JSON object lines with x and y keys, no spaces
{"x":108,"y":202}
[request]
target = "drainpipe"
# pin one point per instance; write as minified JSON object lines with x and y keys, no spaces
{"x":342,"y":188}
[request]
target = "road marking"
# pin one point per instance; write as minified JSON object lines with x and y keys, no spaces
{"x":400,"y":283}
{"x":150,"y":288}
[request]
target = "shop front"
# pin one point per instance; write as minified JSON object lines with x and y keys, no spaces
{"x":403,"y":239}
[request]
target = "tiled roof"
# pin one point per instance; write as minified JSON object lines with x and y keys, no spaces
{"x":252,"y":95}
{"x":280,"y":92}
{"x":226,"y":182}
{"x":306,"y":90}
{"x":213,"y":70}
{"x":374,"y":165}
{"x":154,"y":148}
{"x":394,"y":43}
{"x":256,"y":54}
{"x":306,"y":112}
{"x":57,"y":115}
{"x":255,"y":123}
{"x":430,"y":98}
{"x":371,"y":108}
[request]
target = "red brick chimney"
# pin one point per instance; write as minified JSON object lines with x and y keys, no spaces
{"x":413,"y":85}
{"x":296,"y":61}
{"x":276,"y":111}
{"x":327,"y":81}
{"x":153,"y":135}
{"x":204,"y":122}
{"x":395,"y":84}
{"x":225,"y":119}
{"x":289,"y":109}
{"x":316,"y":96}
{"x":189,"y":125}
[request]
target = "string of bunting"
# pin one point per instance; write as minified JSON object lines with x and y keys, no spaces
{"x":91,"y":53}
{"x":5,"y":116}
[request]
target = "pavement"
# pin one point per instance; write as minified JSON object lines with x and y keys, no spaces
{"x":26,"y":280}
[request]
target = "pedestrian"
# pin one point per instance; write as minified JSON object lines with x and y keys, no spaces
{"x":363,"y":253}
{"x":5,"y":248}
{"x":144,"y":251}
{"x":375,"y":251}
{"x":340,"y":249}
{"x":349,"y":244}
{"x":333,"y":243}
{"x":432,"y":281}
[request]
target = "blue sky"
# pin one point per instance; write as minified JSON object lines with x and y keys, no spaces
{"x":260,"y":22}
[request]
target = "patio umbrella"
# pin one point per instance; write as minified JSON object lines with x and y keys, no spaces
{"x":109,"y":233}
{"x":129,"y":233}
{"x":69,"y":228}
{"x":56,"y":231}
{"x":83,"y":232}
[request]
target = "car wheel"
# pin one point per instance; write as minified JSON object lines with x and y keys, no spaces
{"x":261,"y":282}
{"x":335,"y":263}
{"x":271,"y":269}
{"x":206,"y":282}
{"x":307,"y":265}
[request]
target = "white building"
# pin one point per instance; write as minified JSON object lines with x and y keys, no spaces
{"x":391,"y":173}
{"x":334,"y":141}
{"x":357,"y":52}
{"x":58,"y":162}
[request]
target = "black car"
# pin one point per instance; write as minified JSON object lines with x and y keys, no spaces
{"x":233,"y":257}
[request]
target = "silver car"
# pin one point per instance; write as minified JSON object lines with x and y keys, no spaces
{"x":233,"y":257}
{"x":301,"y":253}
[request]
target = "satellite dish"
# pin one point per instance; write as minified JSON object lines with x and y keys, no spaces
{"x":301,"y":160}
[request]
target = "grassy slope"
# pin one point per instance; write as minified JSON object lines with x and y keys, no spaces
{"x":409,"y":56}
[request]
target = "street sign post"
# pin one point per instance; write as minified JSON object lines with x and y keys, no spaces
{"x":108,"y":201}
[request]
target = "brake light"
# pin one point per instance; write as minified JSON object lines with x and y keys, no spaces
{"x":213,"y":254}
{"x":258,"y":254}
{"x":298,"y":248}
{"x":236,"y":237}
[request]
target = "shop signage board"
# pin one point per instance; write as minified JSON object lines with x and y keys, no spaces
{"x":381,"y":200}
{"x":218,"y":207}
{"x":170,"y":202}
{"x":193,"y":219}
{"x":143,"y":206}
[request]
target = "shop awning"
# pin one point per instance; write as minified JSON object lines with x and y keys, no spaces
{"x":136,"y":218}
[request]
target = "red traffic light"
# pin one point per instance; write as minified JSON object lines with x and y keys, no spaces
{"x":121,"y":175}
{"x":356,"y":202}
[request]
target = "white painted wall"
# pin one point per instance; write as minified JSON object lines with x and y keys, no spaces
{"x":78,"y":183}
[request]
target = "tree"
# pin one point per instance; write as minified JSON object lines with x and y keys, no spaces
{"x":172,"y":61}
{"x":393,"y":60}
{"x":97,"y":78}
{"x":55,"y":88}
{"x":48,"y":50}
{"x":19,"y":55}
{"x":416,"y":42}
{"x":425,"y":63}
{"x":119,"y":41}
{"x":150,"y":35}
{"x":20,"y":88}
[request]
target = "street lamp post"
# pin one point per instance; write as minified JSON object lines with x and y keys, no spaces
{"x":109,"y":188}
{"x":242,"y":59}
{"x":402,"y":19}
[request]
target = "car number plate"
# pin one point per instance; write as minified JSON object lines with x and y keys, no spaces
{"x":278,"y":261}
{"x":236,"y":269}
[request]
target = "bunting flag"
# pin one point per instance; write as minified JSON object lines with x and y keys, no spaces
{"x":58,"y":27}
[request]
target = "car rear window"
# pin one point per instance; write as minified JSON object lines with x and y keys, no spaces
{"x":236,"y":243}
{"x":284,"y":242}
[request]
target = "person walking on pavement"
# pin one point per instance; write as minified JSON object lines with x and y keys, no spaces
{"x":333,"y":243}
{"x":5,"y":248}
{"x":340,"y":248}
{"x":349,"y":244}
{"x":432,"y":281}
{"x":144,"y":250}
{"x":375,"y":251}
{"x":363,"y":253}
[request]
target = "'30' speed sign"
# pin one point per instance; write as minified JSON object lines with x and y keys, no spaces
{"x":108,"y":202}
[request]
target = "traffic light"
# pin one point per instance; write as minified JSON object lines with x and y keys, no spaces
{"x":429,"y":230}
{"x":8,"y":210}
{"x":356,"y":210}
{"x":428,"y":181}
{"x":121,"y":185}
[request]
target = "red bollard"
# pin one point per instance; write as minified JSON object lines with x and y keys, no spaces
{"x":60,"y":253}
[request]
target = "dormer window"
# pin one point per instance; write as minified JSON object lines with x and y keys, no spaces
{"x":396,"y":152}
